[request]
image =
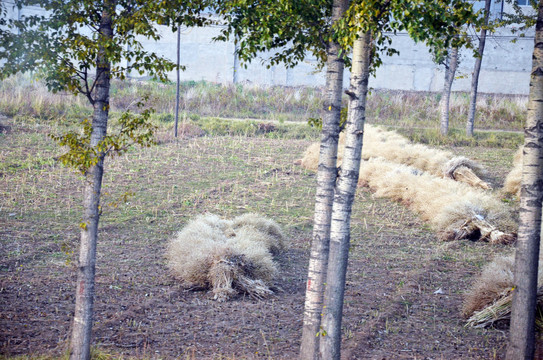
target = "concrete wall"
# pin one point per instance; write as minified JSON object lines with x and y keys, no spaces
{"x":214,"y":61}
{"x":505,"y":69}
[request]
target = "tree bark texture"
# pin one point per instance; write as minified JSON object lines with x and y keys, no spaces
{"x":178,"y":79}
{"x":235,"y":71}
{"x":476,"y":70}
{"x":326,"y":179}
{"x":450,"y":70}
{"x":522,"y":329}
{"x":84,"y":299}
{"x":343,"y":200}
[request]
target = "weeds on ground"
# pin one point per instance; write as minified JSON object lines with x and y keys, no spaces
{"x":96,"y":354}
{"x":457,"y":137}
{"x":25,"y":97}
{"x":405,"y":109}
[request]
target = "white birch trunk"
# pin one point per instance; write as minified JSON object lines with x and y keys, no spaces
{"x":343,"y":199}
{"x":450,"y":70}
{"x":178,"y":79}
{"x":476,"y":70}
{"x":326,"y":179}
{"x":522,"y":329}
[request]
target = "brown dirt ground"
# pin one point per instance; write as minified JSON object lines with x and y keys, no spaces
{"x":392,"y":310}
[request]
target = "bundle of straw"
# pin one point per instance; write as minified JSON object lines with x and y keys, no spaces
{"x":499,"y":310}
{"x":514,"y":178}
{"x":490,"y":298}
{"x":396,"y":148}
{"x":229,"y":256}
{"x":455,"y":210}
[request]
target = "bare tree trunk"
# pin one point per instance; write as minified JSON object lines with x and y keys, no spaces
{"x":326,"y":180}
{"x":340,"y":232}
{"x":235,"y":71}
{"x":450,"y":70}
{"x":522,"y":330}
{"x":84,"y":299}
{"x":178,"y":79}
{"x":476,"y":71}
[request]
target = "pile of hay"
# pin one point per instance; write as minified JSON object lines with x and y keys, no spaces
{"x":455,"y":210}
{"x":229,"y":256}
{"x":396,"y":148}
{"x":490,"y":298}
{"x":514,"y":178}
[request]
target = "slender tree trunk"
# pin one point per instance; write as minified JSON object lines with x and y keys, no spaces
{"x":476,"y":71}
{"x":450,"y":70}
{"x":128,"y":64}
{"x":84,"y":299}
{"x":235,"y":74}
{"x":326,"y":179}
{"x":340,"y":232}
{"x":178,"y":79}
{"x":522,"y":330}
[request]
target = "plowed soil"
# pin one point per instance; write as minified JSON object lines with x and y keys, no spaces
{"x":404,"y":287}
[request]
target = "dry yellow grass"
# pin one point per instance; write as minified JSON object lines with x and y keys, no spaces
{"x":230,"y":256}
{"x":495,"y":281}
{"x":271,"y":233}
{"x":396,"y":148}
{"x":489,"y":299}
{"x":514,"y":178}
{"x":455,"y":210}
{"x":310,"y":159}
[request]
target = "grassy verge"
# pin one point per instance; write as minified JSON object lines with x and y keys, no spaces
{"x":24,"y":97}
{"x":457,"y":137}
{"x":421,"y":110}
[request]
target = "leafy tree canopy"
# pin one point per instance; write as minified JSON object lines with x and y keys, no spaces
{"x":64,"y":44}
{"x":521,"y":19}
{"x":292,"y":29}
{"x":64,"y":41}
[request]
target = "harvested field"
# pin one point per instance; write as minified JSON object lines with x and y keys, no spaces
{"x":404,"y":288}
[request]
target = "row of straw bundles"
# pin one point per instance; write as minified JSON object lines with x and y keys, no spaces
{"x":230,"y":256}
{"x":396,"y":148}
{"x":455,"y":210}
{"x":514,"y":178}
{"x":489,"y":300}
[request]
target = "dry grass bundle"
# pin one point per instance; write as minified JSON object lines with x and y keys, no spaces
{"x":465,"y":170}
{"x":396,"y":148}
{"x":230,"y":256}
{"x":496,"y":281}
{"x":514,"y":178}
{"x":274,"y":237}
{"x":455,"y":210}
{"x":310,"y":159}
{"x":490,"y":298}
